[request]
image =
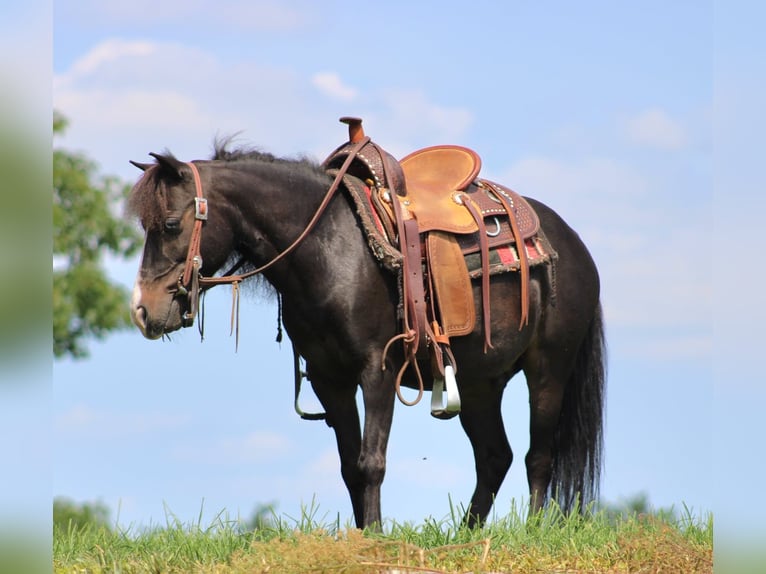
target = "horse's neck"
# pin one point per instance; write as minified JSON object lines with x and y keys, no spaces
{"x":279,"y":208}
{"x":331,"y":277}
{"x":276,"y":199}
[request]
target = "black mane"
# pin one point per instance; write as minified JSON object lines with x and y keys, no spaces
{"x":223,"y":152}
{"x":147,"y":199}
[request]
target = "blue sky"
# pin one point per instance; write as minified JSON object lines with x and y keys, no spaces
{"x":602,"y":110}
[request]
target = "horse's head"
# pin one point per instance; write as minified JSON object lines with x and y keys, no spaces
{"x":167,"y":202}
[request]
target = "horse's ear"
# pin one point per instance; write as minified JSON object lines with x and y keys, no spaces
{"x":141,"y":166}
{"x":170,"y":164}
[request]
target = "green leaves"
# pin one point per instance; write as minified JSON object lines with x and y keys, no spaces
{"x":85,"y":304}
{"x":68,"y":514}
{"x":87,"y":224}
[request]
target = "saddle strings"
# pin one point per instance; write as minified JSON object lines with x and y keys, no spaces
{"x":279,"y":318}
{"x":235,"y":314}
{"x":485,"y":284}
{"x":201,"y":320}
{"x":521,"y":247}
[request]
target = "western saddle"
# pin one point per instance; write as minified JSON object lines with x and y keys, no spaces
{"x":433,"y":208}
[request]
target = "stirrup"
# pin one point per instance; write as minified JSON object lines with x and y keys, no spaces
{"x":300,"y":374}
{"x":453,"y":396}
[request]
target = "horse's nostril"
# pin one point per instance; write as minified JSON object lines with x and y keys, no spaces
{"x":139,"y":317}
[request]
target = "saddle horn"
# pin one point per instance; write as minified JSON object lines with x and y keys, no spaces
{"x":355,"y":129}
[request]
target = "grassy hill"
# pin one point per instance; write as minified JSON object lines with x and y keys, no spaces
{"x":602,"y":542}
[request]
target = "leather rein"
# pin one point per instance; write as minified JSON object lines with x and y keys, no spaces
{"x":191,"y":282}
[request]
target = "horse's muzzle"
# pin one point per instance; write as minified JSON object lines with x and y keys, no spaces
{"x":156,"y":317}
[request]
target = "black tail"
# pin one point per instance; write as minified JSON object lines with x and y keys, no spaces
{"x":579,"y":437}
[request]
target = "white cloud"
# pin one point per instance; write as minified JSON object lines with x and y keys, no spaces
{"x":125,"y":99}
{"x":160,"y":109}
{"x":652,"y":259}
{"x":421,"y":472}
{"x":260,"y":442}
{"x":84,"y":418}
{"x":326,"y":463}
{"x":330,"y":84}
{"x":678,"y":348}
{"x":656,"y":129}
{"x":109,"y":52}
{"x":591,"y":194}
{"x":589,"y":176}
{"x":78,"y":416}
{"x":244,"y":15}
{"x":319,"y":476}
{"x":662,"y":282}
{"x":411,"y":116}
{"x":99,"y":86}
{"x":255,"y":447}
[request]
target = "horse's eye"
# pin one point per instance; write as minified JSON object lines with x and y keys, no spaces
{"x":173,"y":225}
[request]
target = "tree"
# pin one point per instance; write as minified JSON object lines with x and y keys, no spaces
{"x":636,"y":505}
{"x":86,"y":225}
{"x":69,"y":514}
{"x":262,"y":518}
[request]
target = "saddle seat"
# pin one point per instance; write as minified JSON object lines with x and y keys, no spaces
{"x":433,"y":177}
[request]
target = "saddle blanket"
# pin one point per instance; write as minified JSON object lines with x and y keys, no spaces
{"x":503,"y":258}
{"x":506,"y":257}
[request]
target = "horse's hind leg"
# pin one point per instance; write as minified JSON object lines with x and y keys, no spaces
{"x":546,"y":382}
{"x":482,"y":421}
{"x":566,"y":394}
{"x":545,"y":407}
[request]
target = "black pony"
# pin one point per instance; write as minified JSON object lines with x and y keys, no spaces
{"x":340,"y":308}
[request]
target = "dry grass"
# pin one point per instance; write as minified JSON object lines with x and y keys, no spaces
{"x":649,"y":550}
{"x":551,"y":545}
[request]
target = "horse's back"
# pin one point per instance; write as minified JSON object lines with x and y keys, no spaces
{"x":567,"y":243}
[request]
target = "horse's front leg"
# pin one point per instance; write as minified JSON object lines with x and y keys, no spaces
{"x":342,"y":415}
{"x":378,"y":397}
{"x":362,"y":457}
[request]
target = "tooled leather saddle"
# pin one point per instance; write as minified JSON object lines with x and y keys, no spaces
{"x":437,"y":214}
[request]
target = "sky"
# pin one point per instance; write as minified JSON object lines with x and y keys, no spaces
{"x":602,"y":110}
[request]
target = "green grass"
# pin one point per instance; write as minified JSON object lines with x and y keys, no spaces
{"x":548,"y":543}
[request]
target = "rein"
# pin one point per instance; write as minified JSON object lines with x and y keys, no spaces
{"x":191,"y":282}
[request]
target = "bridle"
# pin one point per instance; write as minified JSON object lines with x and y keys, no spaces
{"x":191,"y":283}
